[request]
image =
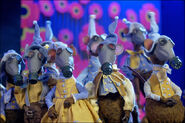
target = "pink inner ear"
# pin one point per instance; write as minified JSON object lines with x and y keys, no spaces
{"x":94,"y":46}
{"x":125,"y":31}
{"x":86,"y":40}
{"x":119,"y":49}
{"x":74,"y":49}
{"x":148,"y":44}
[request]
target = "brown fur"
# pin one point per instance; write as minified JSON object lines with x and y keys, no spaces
{"x":38,"y":112}
{"x":156,"y":112}
{"x":14,"y":116}
{"x":111,"y":108}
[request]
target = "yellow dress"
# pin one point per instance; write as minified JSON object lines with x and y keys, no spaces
{"x":81,"y":111}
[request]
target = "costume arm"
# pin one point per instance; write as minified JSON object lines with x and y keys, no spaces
{"x":49,"y":97}
{"x":130,"y":95}
{"x":19,"y":94}
{"x":177,"y":90}
{"x":126,"y":70}
{"x":83,"y":93}
{"x":2,"y":107}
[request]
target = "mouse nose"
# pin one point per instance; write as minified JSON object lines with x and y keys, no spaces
{"x":106,"y":68}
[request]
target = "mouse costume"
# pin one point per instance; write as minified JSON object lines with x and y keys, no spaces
{"x":67,"y":100}
{"x":114,"y":91}
{"x":163,"y":102}
{"x":32,"y":96}
{"x":88,"y":74}
{"x":12,"y":65}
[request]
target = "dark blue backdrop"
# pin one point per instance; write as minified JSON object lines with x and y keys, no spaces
{"x":173,"y":26}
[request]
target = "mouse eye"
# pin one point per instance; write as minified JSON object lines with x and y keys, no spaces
{"x":59,"y":51}
{"x":162,"y":41}
{"x":112,"y":46}
{"x":30,"y":54}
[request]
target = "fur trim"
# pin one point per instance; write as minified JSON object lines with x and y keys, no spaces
{"x":157,"y":112}
{"x":8,"y":54}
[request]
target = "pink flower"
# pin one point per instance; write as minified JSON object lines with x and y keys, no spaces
{"x":83,"y":36}
{"x":42,"y":34}
{"x":120,"y":32}
{"x":66,"y":36}
{"x":143,"y":14}
{"x":114,"y":9}
{"x":142,"y":102}
{"x":131,"y":15}
{"x":76,"y":10}
{"x":26,"y":38}
{"x":80,"y":64}
{"x":29,"y":12}
{"x":83,"y":40}
{"x":84,"y":2}
{"x":46,"y":8}
{"x":61,"y":5}
{"x":128,"y":45}
{"x":96,"y":9}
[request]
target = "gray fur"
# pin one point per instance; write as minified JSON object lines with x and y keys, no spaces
{"x":34,"y":63}
{"x":106,"y":54}
{"x":137,"y":32}
{"x":64,"y":58}
{"x":166,"y":52}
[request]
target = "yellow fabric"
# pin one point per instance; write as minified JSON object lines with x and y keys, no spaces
{"x":19,"y":94}
{"x":134,"y":58}
{"x":93,"y":102}
{"x":34,"y":92}
{"x":3,"y":117}
{"x":70,"y":88}
{"x":125,"y":90}
{"x":117,"y":79}
{"x":9,"y":85}
{"x":161,"y":72}
{"x":161,"y":89}
{"x":81,"y":111}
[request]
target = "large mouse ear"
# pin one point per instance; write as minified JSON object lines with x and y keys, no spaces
{"x":148,"y":45}
{"x":86,"y":40}
{"x":51,"y":55}
{"x":74,"y":49}
{"x":119,"y":49}
{"x":128,"y":23}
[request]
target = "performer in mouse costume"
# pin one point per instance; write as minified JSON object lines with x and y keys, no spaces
{"x":32,"y":99}
{"x":66,"y":101}
{"x":136,"y":59}
{"x":12,"y":65}
{"x":114,"y":91}
{"x":2,"y":112}
{"x":163,"y":104}
{"x":51,"y":73}
{"x":88,"y":74}
{"x":50,"y":70}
